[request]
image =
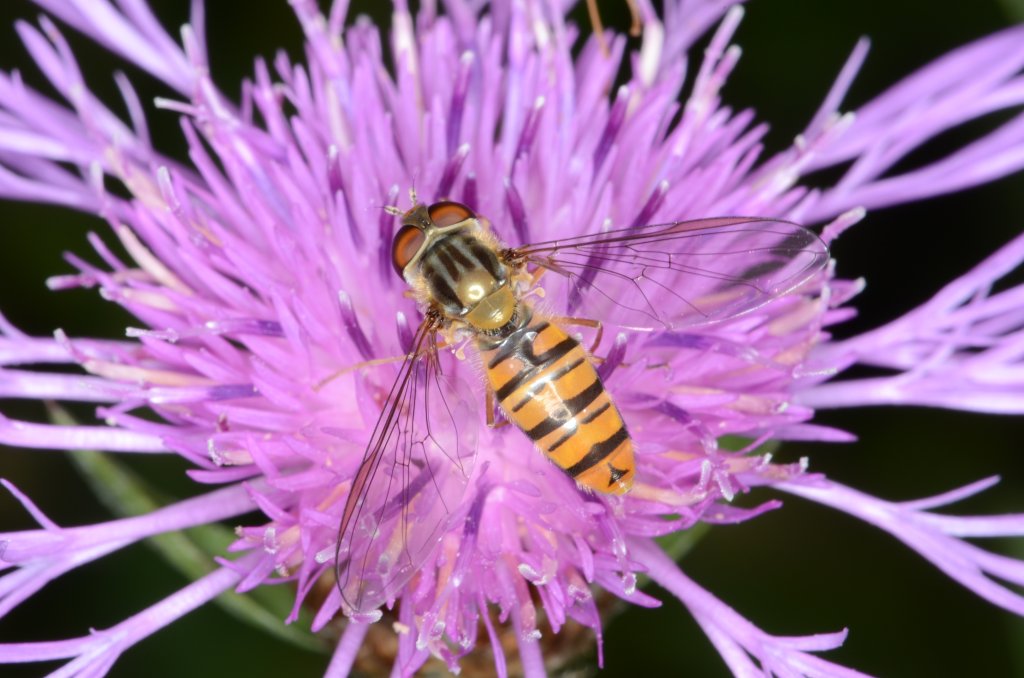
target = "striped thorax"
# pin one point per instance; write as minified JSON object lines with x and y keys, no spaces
{"x":446,"y":250}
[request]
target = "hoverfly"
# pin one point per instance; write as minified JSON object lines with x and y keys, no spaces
{"x":660,"y":277}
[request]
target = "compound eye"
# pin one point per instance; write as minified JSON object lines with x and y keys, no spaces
{"x":446,"y":213}
{"x":405,"y":246}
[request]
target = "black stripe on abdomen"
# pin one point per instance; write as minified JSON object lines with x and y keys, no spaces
{"x":513,"y":344}
{"x":573,"y":406}
{"x":515,"y":382}
{"x":586,"y":420}
{"x":598,"y":452}
{"x":596,"y":413}
{"x":528,"y":375}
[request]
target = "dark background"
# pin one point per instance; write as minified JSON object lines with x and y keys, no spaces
{"x":800,"y":570}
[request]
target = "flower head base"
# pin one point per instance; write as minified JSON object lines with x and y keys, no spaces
{"x":270,"y":316}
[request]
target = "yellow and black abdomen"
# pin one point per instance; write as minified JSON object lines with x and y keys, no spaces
{"x":548,"y":387}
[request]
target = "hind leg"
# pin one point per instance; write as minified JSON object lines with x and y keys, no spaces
{"x":585,"y":322}
{"x":489,"y":406}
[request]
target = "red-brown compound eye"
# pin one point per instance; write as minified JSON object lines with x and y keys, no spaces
{"x":405,"y":246}
{"x":446,"y":213}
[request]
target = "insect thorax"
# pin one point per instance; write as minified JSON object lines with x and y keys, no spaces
{"x":464,"y":276}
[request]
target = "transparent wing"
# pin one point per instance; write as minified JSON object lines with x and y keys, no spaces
{"x":676,"y":275}
{"x":413,"y":475}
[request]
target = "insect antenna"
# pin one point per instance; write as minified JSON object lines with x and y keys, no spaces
{"x":397,"y":211}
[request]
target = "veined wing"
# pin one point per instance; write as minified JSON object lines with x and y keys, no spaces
{"x":413,"y":475}
{"x":682,"y":274}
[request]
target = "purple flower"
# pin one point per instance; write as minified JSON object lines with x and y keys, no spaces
{"x":259,"y":273}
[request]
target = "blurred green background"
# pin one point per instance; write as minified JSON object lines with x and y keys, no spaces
{"x":799,"y":570}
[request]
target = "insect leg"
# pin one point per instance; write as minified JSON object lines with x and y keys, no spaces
{"x":585,"y":322}
{"x":535,"y":277}
{"x":490,"y":408}
{"x":598,"y":28}
{"x":368,"y":363}
{"x":636,"y":24}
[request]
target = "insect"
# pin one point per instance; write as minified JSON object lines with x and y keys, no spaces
{"x":660,"y":277}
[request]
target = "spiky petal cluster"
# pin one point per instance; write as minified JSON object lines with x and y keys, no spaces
{"x":260,"y":269}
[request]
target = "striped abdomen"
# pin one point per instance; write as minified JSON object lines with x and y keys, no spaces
{"x":548,"y":388}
